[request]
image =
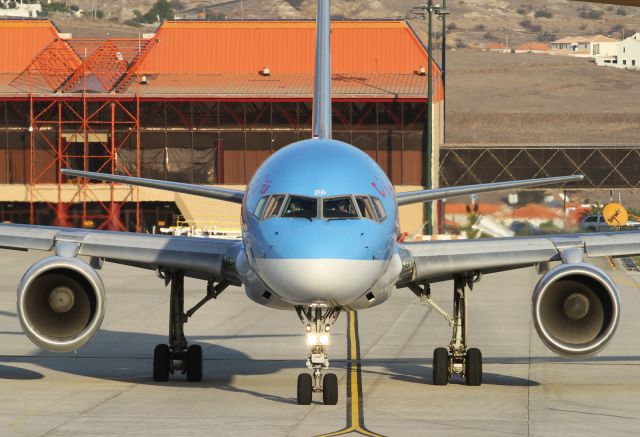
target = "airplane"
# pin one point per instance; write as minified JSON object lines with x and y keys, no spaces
{"x":319,"y":236}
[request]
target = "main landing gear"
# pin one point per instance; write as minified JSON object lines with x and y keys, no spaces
{"x":318,"y":321}
{"x":458,"y":360}
{"x":178,"y":355}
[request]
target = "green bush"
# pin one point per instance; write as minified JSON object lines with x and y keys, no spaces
{"x":591,"y":14}
{"x":543,"y":13}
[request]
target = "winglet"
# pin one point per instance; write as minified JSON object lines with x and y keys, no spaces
{"x":322,"y":86}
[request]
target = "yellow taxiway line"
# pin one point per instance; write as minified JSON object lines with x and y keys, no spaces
{"x":355,"y":401}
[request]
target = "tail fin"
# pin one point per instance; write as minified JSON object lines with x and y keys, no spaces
{"x":322,"y":86}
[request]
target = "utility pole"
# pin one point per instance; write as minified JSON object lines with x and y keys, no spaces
{"x":427,"y":11}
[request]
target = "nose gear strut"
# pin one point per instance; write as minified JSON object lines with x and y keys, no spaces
{"x":318,"y":321}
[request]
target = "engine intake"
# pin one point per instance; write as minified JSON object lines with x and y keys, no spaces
{"x":60,"y":303}
{"x":576,"y":309}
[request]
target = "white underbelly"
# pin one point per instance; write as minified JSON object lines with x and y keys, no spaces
{"x":305,"y":281}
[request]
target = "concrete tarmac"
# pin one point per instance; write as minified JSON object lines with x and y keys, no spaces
{"x":253,"y":355}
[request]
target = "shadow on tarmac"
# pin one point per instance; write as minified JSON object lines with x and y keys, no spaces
{"x":126,"y":357}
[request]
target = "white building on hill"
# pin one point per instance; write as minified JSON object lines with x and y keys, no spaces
{"x":627,"y":56}
{"x":18,"y":8}
{"x":585,"y":46}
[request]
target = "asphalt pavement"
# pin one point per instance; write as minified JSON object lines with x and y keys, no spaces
{"x":253,"y":355}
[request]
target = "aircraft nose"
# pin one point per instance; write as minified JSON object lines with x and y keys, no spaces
{"x":320,"y":262}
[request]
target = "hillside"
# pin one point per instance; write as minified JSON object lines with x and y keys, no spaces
{"x":471,"y":22}
{"x":491,"y":97}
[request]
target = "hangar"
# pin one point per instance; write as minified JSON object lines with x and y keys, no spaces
{"x":197,"y":101}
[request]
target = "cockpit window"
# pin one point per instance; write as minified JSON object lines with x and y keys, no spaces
{"x":260,"y":206}
{"x":272,"y":207}
{"x":382,"y":214}
{"x":301,"y":207}
{"x":339,"y":208}
{"x":366,"y":208}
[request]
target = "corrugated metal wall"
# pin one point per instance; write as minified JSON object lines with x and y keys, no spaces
{"x":21,"y":41}
{"x":286,"y":47}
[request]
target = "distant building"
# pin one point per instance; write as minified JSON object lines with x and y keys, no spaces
{"x":629,"y":53}
{"x":627,"y":56}
{"x":23,"y":10}
{"x":585,"y":46}
{"x":533,"y":47}
{"x":498,"y":47}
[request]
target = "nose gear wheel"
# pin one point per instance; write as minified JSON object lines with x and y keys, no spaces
{"x":318,"y":321}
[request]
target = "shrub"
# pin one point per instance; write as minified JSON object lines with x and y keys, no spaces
{"x":133,"y":23}
{"x":522,"y":10}
{"x":99,"y":14}
{"x":543,"y":13}
{"x":490,"y":36}
{"x":621,"y":11}
{"x":452,"y":27}
{"x":591,"y":14}
{"x":479,"y":28}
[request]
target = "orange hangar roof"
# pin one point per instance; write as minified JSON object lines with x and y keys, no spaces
{"x":21,"y":41}
{"x":370,"y":59}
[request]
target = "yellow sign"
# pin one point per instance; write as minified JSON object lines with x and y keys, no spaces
{"x":615,"y":214}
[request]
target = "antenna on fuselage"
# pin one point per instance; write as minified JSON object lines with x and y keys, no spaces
{"x":321,"y":127}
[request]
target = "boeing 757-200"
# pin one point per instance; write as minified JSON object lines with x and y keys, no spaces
{"x":319,"y":228}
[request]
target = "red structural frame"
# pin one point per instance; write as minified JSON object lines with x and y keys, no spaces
{"x":69,"y":66}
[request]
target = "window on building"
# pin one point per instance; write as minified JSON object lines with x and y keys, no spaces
{"x":596,"y":49}
{"x":624,"y":50}
{"x":624,"y":62}
{"x":633,"y":62}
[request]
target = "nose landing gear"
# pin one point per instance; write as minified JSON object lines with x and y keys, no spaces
{"x":318,"y":321}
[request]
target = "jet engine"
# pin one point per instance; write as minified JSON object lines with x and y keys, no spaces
{"x":60,"y":303}
{"x":576,"y":309}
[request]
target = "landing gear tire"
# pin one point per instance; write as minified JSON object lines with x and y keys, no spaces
{"x":194,"y":363}
{"x":330,"y":389}
{"x":440,"y":366}
{"x":305,"y":389}
{"x":473,"y":367}
{"x":161,"y":363}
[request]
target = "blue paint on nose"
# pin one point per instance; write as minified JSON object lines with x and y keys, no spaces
{"x":287,"y":238}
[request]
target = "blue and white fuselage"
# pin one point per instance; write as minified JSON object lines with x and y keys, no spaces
{"x":303,"y":257}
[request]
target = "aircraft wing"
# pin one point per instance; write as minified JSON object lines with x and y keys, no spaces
{"x":205,"y":258}
{"x":226,"y":194}
{"x":409,"y":197}
{"x":440,"y":260}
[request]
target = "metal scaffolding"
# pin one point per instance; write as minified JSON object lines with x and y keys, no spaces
{"x":70,"y":128}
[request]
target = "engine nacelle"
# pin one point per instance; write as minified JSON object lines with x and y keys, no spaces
{"x":60,"y":303}
{"x":576,"y":309}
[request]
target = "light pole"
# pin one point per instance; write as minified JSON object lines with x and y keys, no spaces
{"x":427,"y":11}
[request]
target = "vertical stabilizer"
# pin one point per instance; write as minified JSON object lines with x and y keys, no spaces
{"x":322,"y":86}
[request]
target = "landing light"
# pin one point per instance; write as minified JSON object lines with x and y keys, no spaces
{"x":316,"y":340}
{"x":312,"y":339}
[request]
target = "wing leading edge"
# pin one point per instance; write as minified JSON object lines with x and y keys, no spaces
{"x":439,"y":260}
{"x":205,"y":258}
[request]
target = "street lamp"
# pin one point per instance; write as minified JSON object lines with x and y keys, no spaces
{"x":426,"y":12}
